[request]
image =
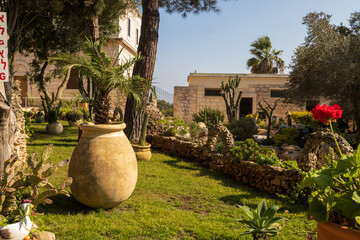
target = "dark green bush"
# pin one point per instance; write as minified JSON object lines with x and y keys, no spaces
{"x":74,"y":115}
{"x":289,"y":136}
{"x":209,"y":116}
{"x":173,"y":126}
{"x":249,"y":150}
{"x":243,"y":128}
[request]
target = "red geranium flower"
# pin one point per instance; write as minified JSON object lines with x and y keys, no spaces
{"x":326,"y":113}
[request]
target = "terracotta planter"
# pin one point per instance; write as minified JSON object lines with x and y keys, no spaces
{"x":143,"y":153}
{"x":20,"y":229}
{"x":103,"y":166}
{"x":332,"y":231}
{"x":54,"y":128}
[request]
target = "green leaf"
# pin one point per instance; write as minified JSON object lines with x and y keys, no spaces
{"x":270,"y":212}
{"x":250,"y":224}
{"x":262,"y":207}
{"x":347,"y":206}
{"x":318,"y":210}
{"x":272,"y":221}
{"x":356,"y":197}
{"x":247,"y":210}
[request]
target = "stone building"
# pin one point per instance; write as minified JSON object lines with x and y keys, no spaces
{"x":126,"y":40}
{"x":204,"y":91}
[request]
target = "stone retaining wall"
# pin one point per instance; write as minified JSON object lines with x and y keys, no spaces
{"x":264,"y":177}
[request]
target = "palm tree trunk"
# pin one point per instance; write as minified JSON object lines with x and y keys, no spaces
{"x":101,"y":108}
{"x":134,"y":114}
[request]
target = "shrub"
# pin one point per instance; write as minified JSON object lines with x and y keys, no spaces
{"x":194,"y":130}
{"x":289,"y":136}
{"x":173,"y":126}
{"x":39,"y":117}
{"x":74,"y":115}
{"x":209,"y":116}
{"x":243,"y":128}
{"x":291,"y":164}
{"x":249,"y":150}
{"x":305,"y":118}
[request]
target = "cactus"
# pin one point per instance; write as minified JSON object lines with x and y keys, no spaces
{"x":142,"y":140}
{"x":17,"y":177}
{"x":52,"y":111}
{"x":228,"y":92}
{"x":89,"y":95}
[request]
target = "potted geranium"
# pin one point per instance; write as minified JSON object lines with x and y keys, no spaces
{"x":19,"y":179}
{"x":103,"y":164}
{"x":334,"y":201}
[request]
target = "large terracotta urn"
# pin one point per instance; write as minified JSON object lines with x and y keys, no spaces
{"x":103,"y":166}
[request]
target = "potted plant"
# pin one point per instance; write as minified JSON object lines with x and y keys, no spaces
{"x":17,"y":179}
{"x":141,"y":147}
{"x":53,"y":113}
{"x":103,"y":164}
{"x":334,"y":201}
{"x":74,"y":117}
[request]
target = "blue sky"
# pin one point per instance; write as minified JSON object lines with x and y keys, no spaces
{"x":220,"y":42}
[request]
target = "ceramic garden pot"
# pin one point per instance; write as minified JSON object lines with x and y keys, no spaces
{"x":19,"y":230}
{"x":103,"y":166}
{"x":54,"y":128}
{"x":332,"y":231}
{"x":143,"y":153}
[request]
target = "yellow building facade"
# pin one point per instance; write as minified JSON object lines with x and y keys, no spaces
{"x":203,"y":91}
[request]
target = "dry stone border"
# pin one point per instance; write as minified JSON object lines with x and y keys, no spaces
{"x":267,"y":178}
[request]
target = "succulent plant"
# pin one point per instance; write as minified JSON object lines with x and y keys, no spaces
{"x":18,"y":177}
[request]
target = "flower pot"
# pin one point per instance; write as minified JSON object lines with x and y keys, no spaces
{"x":143,"y":153}
{"x":103,"y":166}
{"x":332,"y":231}
{"x":54,"y":128}
{"x":19,"y":230}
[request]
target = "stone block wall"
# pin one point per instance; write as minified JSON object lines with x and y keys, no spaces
{"x":262,"y":91}
{"x":185,"y":99}
{"x":263,"y":177}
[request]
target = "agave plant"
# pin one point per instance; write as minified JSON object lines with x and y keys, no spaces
{"x":262,"y":222}
{"x":104,"y":75}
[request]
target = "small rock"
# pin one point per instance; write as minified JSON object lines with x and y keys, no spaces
{"x":44,"y":235}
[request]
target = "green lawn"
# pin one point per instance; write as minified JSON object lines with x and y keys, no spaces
{"x":174,"y":199}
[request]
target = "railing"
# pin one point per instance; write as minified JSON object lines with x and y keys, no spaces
{"x":163,"y":95}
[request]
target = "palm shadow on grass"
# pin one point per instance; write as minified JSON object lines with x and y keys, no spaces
{"x":64,"y":205}
{"x":228,"y":181}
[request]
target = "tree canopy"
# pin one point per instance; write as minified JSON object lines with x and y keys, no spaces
{"x":327,"y":64}
{"x":266,"y":59}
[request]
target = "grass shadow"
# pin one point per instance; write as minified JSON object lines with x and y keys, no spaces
{"x":63,"y":205}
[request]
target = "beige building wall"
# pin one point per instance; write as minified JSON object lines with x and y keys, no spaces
{"x":254,"y":88}
{"x":123,"y":41}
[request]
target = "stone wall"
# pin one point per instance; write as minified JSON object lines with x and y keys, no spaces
{"x":267,"y":178}
{"x":189,"y":100}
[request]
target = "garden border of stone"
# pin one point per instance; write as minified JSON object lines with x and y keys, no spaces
{"x":269,"y":178}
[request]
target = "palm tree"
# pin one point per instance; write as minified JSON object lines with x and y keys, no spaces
{"x":265,"y":57}
{"x":104,"y":74}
